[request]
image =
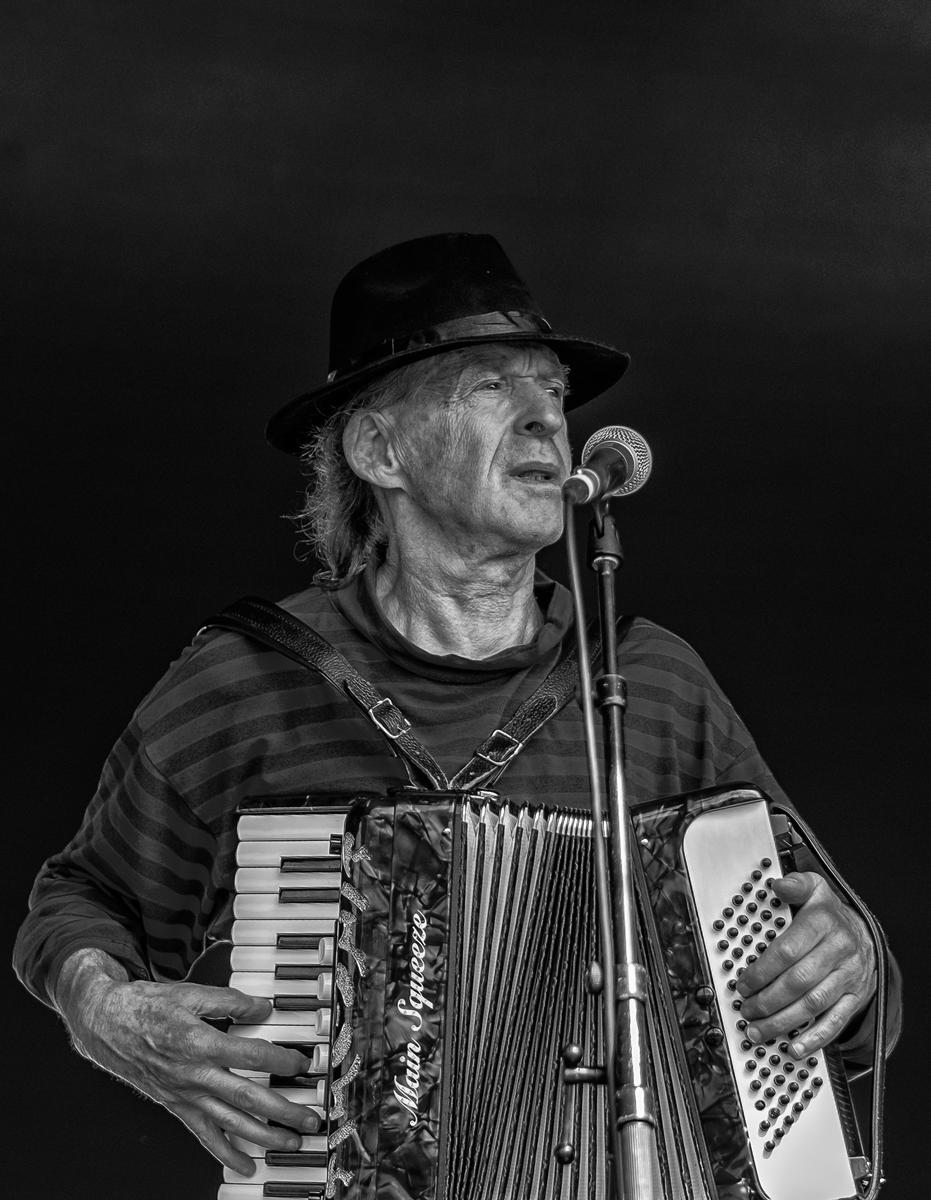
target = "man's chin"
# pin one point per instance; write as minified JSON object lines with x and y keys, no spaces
{"x":532,"y":537}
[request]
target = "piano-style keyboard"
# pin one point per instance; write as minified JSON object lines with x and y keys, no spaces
{"x":285,"y":911}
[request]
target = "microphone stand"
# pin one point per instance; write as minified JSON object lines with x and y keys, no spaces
{"x":631,"y":1102}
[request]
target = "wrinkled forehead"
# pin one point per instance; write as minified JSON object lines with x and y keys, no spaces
{"x":514,"y":358}
{"x":453,"y":373}
{"x":421,"y":385}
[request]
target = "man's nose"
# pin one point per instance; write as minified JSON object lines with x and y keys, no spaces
{"x":539,"y":412}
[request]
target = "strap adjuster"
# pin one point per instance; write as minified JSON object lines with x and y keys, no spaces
{"x":504,"y":754}
{"x":383,"y":707}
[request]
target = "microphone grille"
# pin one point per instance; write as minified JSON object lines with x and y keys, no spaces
{"x":632,"y":445}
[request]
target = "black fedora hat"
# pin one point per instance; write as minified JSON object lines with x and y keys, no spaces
{"x":424,"y":297}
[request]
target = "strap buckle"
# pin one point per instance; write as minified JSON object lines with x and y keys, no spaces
{"x":385,"y":706}
{"x":504,"y":753}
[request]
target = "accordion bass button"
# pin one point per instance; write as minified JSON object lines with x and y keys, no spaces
{"x":714,"y":1036}
{"x":704,"y":995}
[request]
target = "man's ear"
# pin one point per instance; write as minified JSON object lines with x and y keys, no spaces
{"x":368,"y":444}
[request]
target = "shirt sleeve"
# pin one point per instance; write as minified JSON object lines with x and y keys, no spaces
{"x":857,"y":1041}
{"x":696,"y":739}
{"x":138,"y":881}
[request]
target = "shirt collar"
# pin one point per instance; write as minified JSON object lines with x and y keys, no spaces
{"x":358,"y":603}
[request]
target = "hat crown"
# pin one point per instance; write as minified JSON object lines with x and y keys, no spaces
{"x":448,"y":291}
{"x":414,"y":286}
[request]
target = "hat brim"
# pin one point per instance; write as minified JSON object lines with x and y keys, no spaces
{"x":593,"y":368}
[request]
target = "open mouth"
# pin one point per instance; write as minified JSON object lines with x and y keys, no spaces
{"x":536,"y":473}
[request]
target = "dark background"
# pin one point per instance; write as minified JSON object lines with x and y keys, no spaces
{"x":736,"y":193}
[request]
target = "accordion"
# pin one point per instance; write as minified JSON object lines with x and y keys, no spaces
{"x":429,"y":951}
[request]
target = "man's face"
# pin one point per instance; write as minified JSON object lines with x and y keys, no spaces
{"x":485,"y":460}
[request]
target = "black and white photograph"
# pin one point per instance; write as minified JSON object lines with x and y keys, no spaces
{"x":467,"y":476}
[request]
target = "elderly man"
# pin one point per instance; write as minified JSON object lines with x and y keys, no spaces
{"x":436,"y":451}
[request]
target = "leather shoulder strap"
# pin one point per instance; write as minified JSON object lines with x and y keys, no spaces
{"x":490,"y":759}
{"x":275,"y":627}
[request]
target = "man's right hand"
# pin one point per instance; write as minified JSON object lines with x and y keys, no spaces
{"x":153,"y":1036}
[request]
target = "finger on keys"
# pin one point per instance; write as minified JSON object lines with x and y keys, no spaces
{"x":254,"y":1102}
{"x":226,"y":1002}
{"x":795,"y":941}
{"x":300,"y":1117}
{"x":264,"y":1057}
{"x":216,"y":1121}
{"x":210,"y":1133}
{"x":253,"y":1056}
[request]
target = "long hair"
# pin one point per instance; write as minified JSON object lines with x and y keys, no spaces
{"x":340,"y":523}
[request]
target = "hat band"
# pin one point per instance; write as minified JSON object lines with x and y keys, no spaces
{"x":484,"y":326}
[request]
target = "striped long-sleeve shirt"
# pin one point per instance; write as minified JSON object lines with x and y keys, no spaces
{"x":149,"y":875}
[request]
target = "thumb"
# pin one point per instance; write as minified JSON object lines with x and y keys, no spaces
{"x":796,"y":887}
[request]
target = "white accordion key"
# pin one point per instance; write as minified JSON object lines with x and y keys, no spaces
{"x":316,"y":983}
{"x":311,"y":930}
{"x":278,"y":907}
{"x":270,"y":879}
{"x":793,"y":1127}
{"x":269,"y":958}
{"x":320,"y":1059}
{"x":309,"y":1142}
{"x":267,"y":1173}
{"x":313,"y":1095}
{"x":270,"y":854}
{"x":260,"y":1191}
{"x":311,"y":825}
{"x":280,"y":1026}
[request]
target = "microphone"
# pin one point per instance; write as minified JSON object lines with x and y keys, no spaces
{"x":615,"y":462}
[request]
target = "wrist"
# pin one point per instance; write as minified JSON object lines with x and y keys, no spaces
{"x":82,"y":977}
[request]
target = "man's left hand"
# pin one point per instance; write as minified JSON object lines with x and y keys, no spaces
{"x":821,"y":969}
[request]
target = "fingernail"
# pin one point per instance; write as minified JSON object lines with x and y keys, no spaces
{"x":294,"y":1142}
{"x":743,"y":989}
{"x":753,"y":1033}
{"x":798,"y":1049}
{"x":311,"y":1122}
